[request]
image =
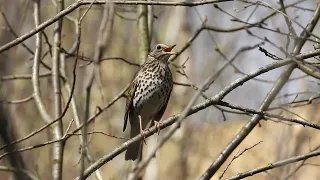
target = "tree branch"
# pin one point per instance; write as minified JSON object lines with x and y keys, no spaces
{"x":275,"y":165}
{"x":58,"y":148}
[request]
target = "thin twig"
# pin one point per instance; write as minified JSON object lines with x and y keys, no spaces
{"x":14,"y":33}
{"x":265,"y":114}
{"x":237,"y":156}
{"x":23,"y":76}
{"x":25,"y":172}
{"x":274,"y":165}
{"x":24,"y":100}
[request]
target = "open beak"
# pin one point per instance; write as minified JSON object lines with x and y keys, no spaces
{"x":168,"y":50}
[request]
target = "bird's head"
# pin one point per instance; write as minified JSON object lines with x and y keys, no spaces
{"x":162,"y":52}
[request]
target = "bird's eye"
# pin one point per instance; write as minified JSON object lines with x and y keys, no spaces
{"x":158,"y":47}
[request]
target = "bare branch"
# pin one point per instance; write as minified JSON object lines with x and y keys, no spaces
{"x":23,"y":76}
{"x":58,"y":148}
{"x":36,"y":61}
{"x":25,"y":172}
{"x":311,"y":72}
{"x":14,"y":33}
{"x":288,"y":22}
{"x":265,"y":114}
{"x":237,"y":156}
{"x":27,"y":99}
{"x":275,"y":165}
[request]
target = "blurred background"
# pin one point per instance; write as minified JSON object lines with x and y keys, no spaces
{"x":203,"y":135}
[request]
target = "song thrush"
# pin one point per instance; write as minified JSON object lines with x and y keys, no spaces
{"x":148,"y":95}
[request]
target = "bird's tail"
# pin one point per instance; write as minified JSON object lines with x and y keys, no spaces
{"x":133,"y":150}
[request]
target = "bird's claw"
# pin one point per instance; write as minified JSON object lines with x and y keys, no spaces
{"x":143,"y":133}
{"x":157,"y":124}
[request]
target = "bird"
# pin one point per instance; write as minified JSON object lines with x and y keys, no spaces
{"x":148,"y":95}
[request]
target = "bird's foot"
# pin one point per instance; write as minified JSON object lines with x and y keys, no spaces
{"x":157,"y":124}
{"x":143,"y":133}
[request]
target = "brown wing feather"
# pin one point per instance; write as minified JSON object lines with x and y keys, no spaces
{"x":129,"y":103}
{"x":159,"y":115}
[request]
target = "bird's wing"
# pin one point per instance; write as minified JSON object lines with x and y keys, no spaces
{"x":129,"y":103}
{"x":130,"y":96}
{"x":159,"y":115}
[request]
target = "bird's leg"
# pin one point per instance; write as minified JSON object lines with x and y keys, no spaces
{"x":157,"y":124}
{"x":141,"y":130}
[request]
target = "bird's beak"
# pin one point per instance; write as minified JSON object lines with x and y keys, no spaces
{"x":168,"y":50}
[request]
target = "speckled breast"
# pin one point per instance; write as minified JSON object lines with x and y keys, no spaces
{"x":152,"y":92}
